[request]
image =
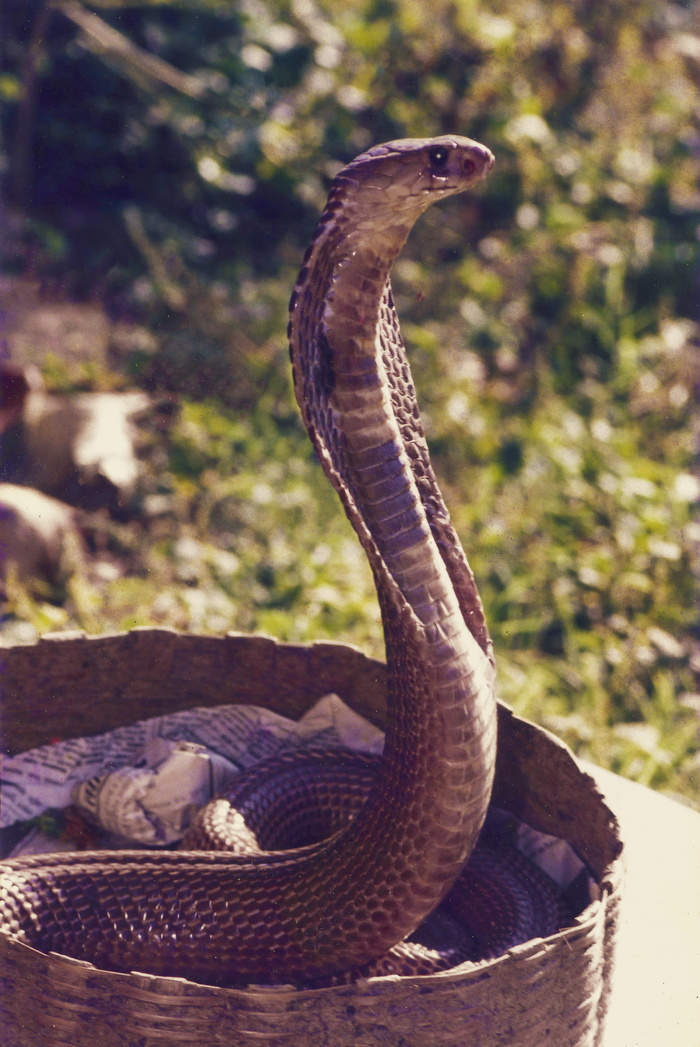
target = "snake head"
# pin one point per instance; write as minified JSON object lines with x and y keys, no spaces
{"x":405,"y":176}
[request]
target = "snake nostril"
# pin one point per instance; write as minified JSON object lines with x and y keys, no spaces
{"x":469,"y":167}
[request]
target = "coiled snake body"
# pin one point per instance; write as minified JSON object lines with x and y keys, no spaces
{"x":334,"y":905}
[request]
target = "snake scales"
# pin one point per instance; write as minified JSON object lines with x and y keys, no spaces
{"x":336,"y":904}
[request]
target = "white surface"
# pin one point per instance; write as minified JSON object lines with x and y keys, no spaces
{"x":656,"y":989}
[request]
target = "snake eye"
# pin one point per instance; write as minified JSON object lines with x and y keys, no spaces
{"x":438,"y":155}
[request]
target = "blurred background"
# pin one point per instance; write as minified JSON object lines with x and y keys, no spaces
{"x":164,"y":166}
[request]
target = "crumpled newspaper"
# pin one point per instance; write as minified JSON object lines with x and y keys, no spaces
{"x":143,"y":783}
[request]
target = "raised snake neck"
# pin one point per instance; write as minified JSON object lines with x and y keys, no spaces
{"x":332,"y":906}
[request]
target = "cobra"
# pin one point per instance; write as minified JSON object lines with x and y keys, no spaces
{"x":331,"y":906}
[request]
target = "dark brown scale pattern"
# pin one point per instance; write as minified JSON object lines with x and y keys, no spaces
{"x":286,"y":801}
{"x":318,"y":911}
{"x":499,"y":900}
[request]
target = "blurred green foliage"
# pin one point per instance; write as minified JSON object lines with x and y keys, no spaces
{"x":552,"y":319}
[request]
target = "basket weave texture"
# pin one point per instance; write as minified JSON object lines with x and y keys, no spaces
{"x":552,"y":992}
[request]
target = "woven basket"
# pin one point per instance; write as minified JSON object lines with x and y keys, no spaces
{"x":551,"y":991}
